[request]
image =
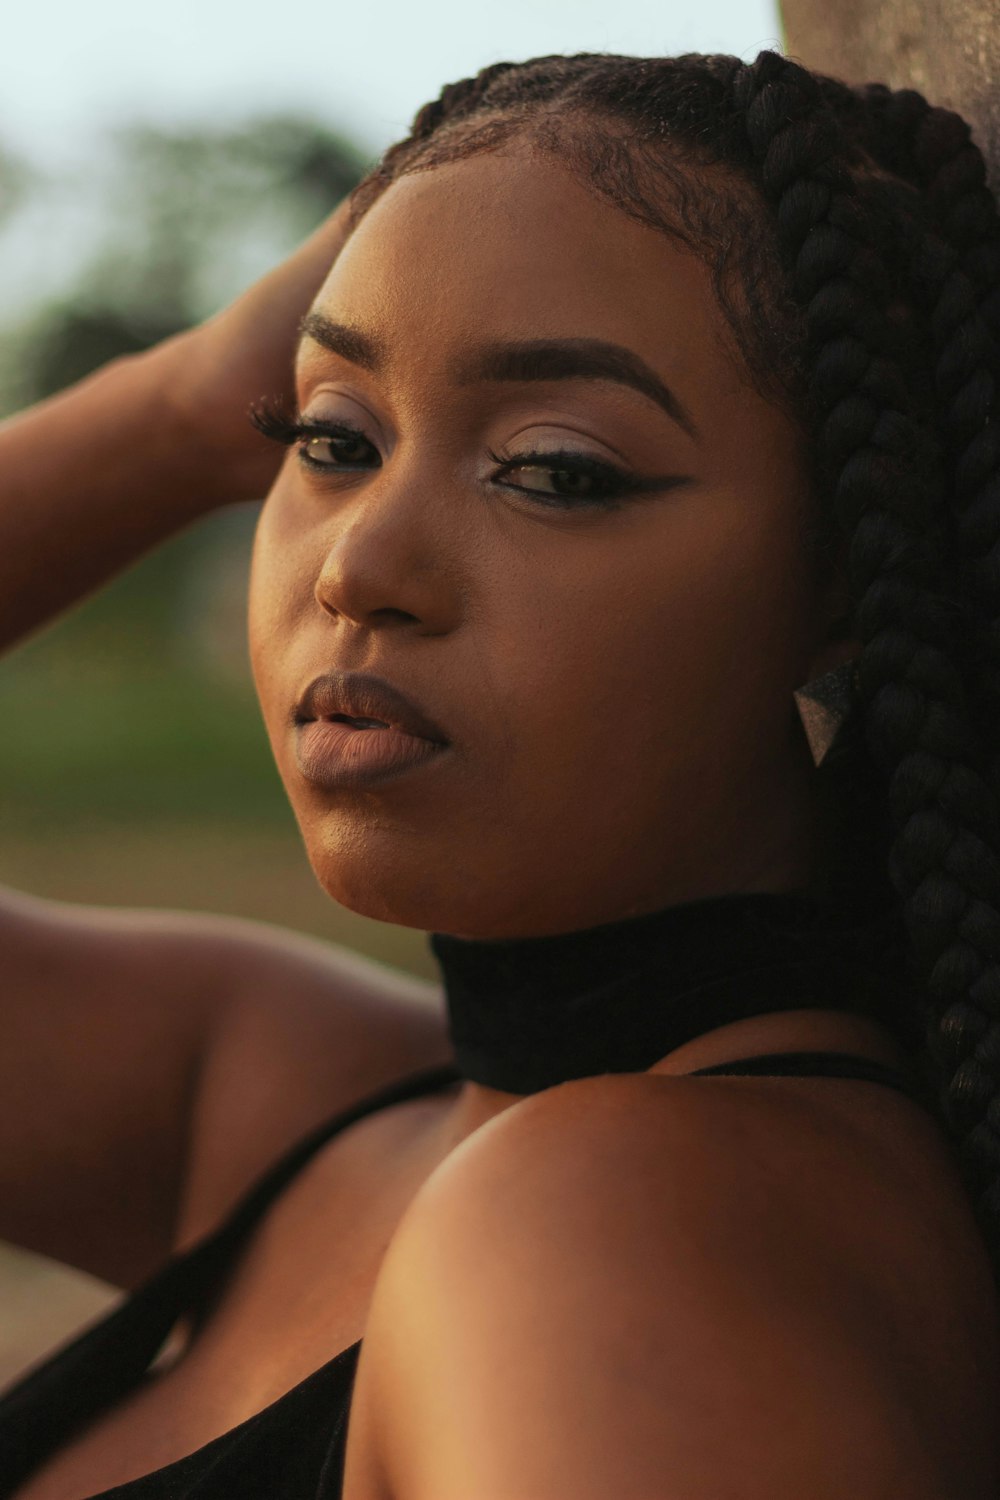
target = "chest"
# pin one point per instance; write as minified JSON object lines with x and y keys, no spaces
{"x":297,"y":1294}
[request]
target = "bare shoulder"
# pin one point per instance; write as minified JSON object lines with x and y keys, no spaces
{"x":174,"y":1054}
{"x":311,"y":1028}
{"x":647,"y":1285}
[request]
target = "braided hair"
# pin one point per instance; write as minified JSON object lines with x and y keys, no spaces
{"x":855,"y":253}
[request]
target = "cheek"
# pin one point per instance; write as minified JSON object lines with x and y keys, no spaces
{"x":688,"y":634}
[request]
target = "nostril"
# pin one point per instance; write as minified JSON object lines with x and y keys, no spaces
{"x":391,"y":615}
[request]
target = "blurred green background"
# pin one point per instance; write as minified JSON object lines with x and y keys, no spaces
{"x":133,"y":762}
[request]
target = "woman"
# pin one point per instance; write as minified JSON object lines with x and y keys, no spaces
{"x":640,"y":396}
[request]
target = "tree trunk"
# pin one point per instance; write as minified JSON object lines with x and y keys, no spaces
{"x":948,"y":49}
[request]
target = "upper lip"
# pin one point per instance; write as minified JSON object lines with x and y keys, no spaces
{"x":362,"y":696}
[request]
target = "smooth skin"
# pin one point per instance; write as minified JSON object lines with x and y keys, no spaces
{"x":645,"y":1285}
{"x":598,"y":653}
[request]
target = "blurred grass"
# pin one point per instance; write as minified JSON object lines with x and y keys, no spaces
{"x":118,"y":712}
{"x":82,"y":742}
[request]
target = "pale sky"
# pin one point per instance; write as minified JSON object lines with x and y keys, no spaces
{"x":67,"y":67}
{"x":71,"y":70}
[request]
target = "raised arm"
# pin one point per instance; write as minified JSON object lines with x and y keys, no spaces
{"x":95,"y":476}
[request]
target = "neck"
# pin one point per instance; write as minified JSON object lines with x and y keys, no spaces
{"x":526,"y":1014}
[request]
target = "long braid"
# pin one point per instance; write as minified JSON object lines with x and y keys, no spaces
{"x":943,"y":860}
{"x":959,"y":266}
{"x":888,"y":429}
{"x":961,"y":270}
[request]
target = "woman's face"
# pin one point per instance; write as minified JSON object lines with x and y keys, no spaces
{"x":614,"y":680}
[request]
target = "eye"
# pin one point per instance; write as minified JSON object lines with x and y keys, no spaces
{"x":321,"y":445}
{"x":336,"y":446}
{"x":568,"y":479}
{"x":569,"y":484}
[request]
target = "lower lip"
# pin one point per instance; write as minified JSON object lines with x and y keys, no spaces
{"x":334,"y":756}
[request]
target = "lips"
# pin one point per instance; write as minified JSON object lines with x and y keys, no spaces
{"x":357,"y":733}
{"x":349,"y":696}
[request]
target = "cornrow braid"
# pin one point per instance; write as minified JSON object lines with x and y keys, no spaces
{"x":856,"y":260}
{"x":455,"y":100}
{"x":483,"y":93}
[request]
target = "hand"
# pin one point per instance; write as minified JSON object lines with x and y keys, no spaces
{"x":214,"y":372}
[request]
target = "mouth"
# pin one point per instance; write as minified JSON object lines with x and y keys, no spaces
{"x":354,"y":731}
{"x":359,"y":723}
{"x":365,"y":703}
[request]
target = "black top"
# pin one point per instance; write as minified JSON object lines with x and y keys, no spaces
{"x":295,"y":1447}
{"x":523,"y":1015}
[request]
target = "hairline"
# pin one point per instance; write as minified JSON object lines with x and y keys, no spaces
{"x":541,"y":126}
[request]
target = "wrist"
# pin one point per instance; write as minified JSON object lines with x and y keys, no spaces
{"x":206,"y":439}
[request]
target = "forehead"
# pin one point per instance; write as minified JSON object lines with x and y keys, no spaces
{"x":511,"y":245}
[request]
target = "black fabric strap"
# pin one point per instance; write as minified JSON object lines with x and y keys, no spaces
{"x":98,"y":1367}
{"x":824,"y":1065}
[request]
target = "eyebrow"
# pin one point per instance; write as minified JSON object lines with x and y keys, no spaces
{"x":574,"y":359}
{"x":526,"y":360}
{"x":349,"y":343}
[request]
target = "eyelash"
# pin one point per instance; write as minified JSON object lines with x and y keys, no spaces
{"x":614,"y":484}
{"x":279,"y":427}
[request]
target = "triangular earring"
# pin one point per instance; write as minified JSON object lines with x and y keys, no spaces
{"x":823,"y":705}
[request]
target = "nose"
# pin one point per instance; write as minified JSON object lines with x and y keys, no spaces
{"x":388,"y":561}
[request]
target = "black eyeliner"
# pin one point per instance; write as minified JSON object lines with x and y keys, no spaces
{"x":280,"y":426}
{"x":620,"y":484}
{"x":616,"y":485}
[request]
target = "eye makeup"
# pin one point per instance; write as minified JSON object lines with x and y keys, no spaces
{"x":574,"y":479}
{"x":343,"y":439}
{"x":567,"y":479}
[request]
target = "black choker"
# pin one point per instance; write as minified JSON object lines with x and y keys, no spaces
{"x":527,"y":1013}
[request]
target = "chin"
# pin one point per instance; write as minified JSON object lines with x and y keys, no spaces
{"x":432,"y":895}
{"x":372,"y":885}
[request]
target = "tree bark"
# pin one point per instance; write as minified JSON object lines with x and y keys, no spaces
{"x":948,"y":49}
